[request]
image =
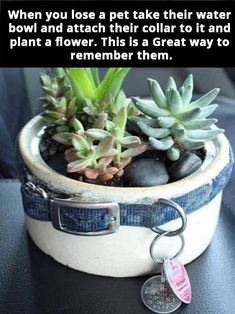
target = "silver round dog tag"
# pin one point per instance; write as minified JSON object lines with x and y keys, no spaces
{"x":158,"y":296}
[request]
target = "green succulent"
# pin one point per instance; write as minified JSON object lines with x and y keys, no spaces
{"x":60,"y":107}
{"x":174,"y":123}
{"x":77,"y":95}
{"x":115,"y":150}
{"x":91,"y":159}
{"x":90,"y":91}
{"x":126,"y":145}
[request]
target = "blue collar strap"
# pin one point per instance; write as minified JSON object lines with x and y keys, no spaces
{"x":93,"y":219}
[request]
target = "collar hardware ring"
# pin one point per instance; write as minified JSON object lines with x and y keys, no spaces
{"x":180,"y":211}
{"x":156,"y":239}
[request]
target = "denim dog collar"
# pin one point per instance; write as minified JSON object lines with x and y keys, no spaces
{"x":68,"y":215}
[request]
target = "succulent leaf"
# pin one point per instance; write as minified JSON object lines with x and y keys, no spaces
{"x":123,"y":163}
{"x":132,"y":152}
{"x":97,"y":134}
{"x":48,"y":120}
{"x":204,"y":134}
{"x":206,"y":99}
{"x":199,"y":123}
{"x":151,"y":122}
{"x":117,"y":81}
{"x":187,"y":90}
{"x":101,"y":121}
{"x":62,"y":128}
{"x":112,"y":82}
{"x":59,"y":73}
{"x":82,"y":78}
{"x":102,"y":88}
{"x":132,"y":123}
{"x":171,"y":84}
{"x":157,"y":93}
{"x":104,"y":146}
{"x":130,"y":141}
{"x":190,"y":144}
{"x":207,"y":111}
{"x":95,"y":75}
{"x":105,"y":161}
{"x":70,"y":154}
{"x":63,"y":138}
{"x":112,"y":152}
{"x":162,"y":144}
{"x":61,"y":121}
{"x":166,"y":122}
{"x":149,"y":108}
{"x":76,"y":124}
{"x":53,"y":114}
{"x":173,"y":154}
{"x":71,"y":108}
{"x":121,"y":118}
{"x":109,"y":125}
{"x":80,"y":155}
{"x":178,"y":129}
{"x":89,"y":74}
{"x":174,"y":101}
{"x":77,"y":165}
{"x":189,"y":114}
{"x":45,"y":80}
{"x":153,"y":132}
{"x":91,"y":173}
{"x":119,"y":102}
{"x":79,"y":142}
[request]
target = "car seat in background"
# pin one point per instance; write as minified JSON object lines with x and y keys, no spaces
{"x":14,"y":112}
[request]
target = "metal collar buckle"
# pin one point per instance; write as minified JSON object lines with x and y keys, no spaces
{"x":112,"y":210}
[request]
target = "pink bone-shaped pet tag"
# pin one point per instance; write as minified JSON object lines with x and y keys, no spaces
{"x":178,"y":280}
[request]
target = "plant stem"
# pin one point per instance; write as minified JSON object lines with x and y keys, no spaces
{"x":119,"y":151}
{"x":95,"y":164}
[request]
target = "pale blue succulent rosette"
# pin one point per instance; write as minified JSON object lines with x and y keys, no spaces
{"x":173,"y":121}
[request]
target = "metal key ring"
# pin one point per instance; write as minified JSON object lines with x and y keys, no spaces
{"x":179,"y":209}
{"x":157,"y":238}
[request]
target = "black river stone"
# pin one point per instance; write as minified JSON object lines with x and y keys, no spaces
{"x":146,"y":172}
{"x":185,"y":166}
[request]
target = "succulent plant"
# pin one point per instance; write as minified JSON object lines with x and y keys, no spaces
{"x":172,"y":122}
{"x":111,"y":159}
{"x":60,"y":106}
{"x":126,"y":145}
{"x":77,"y":95}
{"x":90,"y":159}
{"x":91,"y":93}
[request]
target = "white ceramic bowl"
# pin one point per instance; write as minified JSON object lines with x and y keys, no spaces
{"x":126,"y":252}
